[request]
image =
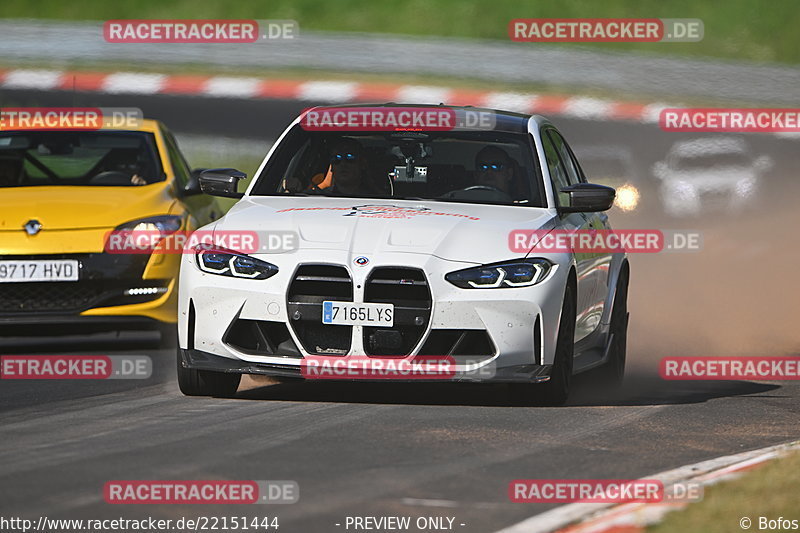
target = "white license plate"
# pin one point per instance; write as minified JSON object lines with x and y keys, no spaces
{"x":355,"y":314}
{"x":39,"y":270}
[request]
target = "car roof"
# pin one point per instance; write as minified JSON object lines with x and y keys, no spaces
{"x":145,"y":125}
{"x":506,"y":121}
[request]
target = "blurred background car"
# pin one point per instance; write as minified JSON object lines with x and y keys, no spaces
{"x":61,"y":194}
{"x":715,"y":173}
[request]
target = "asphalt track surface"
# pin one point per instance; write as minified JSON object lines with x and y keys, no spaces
{"x":426,"y":450}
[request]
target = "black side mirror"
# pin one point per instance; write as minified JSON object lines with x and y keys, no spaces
{"x":192,"y":187}
{"x":221,"y":182}
{"x":588,"y":197}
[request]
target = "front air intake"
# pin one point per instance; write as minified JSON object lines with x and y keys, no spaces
{"x":407,"y":289}
{"x":261,"y":337}
{"x":312,"y":285}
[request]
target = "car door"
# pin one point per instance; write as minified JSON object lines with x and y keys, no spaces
{"x":597,"y":262}
{"x":572,"y":222}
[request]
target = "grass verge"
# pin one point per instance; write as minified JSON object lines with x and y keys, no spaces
{"x":768,"y":492}
{"x":739,"y":29}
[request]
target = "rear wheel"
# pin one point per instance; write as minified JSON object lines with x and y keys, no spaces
{"x":206,"y":383}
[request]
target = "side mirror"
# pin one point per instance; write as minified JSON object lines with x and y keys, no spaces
{"x":221,"y":182}
{"x":192,"y":187}
{"x":588,"y":197}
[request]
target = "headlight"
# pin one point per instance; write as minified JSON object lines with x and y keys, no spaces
{"x":217,"y":260}
{"x":522,"y":273}
{"x":627,"y":197}
{"x":745,"y":187}
{"x":165,"y":224}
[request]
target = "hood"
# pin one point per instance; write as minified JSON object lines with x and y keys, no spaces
{"x":75,"y":207}
{"x":453,"y":231}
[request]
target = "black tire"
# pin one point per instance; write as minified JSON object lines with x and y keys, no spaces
{"x":612,"y":373}
{"x":555,"y":391}
{"x":206,"y":383}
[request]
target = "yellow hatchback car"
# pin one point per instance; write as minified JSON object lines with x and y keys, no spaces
{"x":61,"y":195}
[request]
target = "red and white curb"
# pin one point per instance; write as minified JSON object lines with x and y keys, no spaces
{"x":325,"y":91}
{"x":328,"y":91}
{"x":635,"y":517}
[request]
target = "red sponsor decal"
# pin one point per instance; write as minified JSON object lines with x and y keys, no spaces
{"x":584,"y":30}
{"x":180,"y":492}
{"x":730,"y":368}
{"x":381,"y":211}
{"x":708,"y":119}
{"x":55,"y":367}
{"x":585,"y":490}
{"x":421,"y":367}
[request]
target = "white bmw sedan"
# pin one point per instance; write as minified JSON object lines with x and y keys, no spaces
{"x":371,"y":252}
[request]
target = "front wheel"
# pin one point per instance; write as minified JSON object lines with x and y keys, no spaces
{"x":206,"y":383}
{"x":613,"y":372}
{"x":555,"y":391}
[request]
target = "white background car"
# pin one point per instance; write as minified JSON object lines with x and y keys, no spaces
{"x":424,"y":236}
{"x":709,"y":173}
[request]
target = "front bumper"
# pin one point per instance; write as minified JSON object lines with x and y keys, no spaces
{"x":99,"y":294}
{"x":521,"y":323}
{"x":199,"y":360}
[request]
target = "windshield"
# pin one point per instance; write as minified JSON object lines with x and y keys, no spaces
{"x":606,"y":168}
{"x":78,"y":158}
{"x":709,"y":161}
{"x":472,"y":167}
